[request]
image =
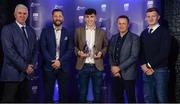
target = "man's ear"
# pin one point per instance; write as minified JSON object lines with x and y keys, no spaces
{"x":159,"y":17}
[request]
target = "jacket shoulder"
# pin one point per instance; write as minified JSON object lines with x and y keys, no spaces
{"x":133,"y":35}
{"x":65,"y":30}
{"x":101,"y":30}
{"x":8,"y":26}
{"x":7,"y":30}
{"x":80,"y":28}
{"x":114,"y":36}
{"x":164,"y":29}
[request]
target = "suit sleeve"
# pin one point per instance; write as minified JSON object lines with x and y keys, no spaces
{"x":110,"y":52}
{"x":134,"y":54}
{"x":43,"y":46}
{"x":142,"y":53}
{"x":69,"y":51}
{"x":105,"y":44}
{"x":76,"y":42}
{"x":35,"y":50}
{"x":10,"y":51}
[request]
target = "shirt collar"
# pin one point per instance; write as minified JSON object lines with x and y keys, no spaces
{"x":154,"y":27}
{"x":20,"y":25}
{"x":93,"y":28}
{"x":124,"y":35}
{"x":57,"y":28}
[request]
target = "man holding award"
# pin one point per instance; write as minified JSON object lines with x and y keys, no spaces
{"x":90,"y":48}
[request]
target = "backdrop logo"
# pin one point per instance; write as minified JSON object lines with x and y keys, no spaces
{"x":58,"y":6}
{"x":103,"y":7}
{"x":150,"y":4}
{"x":126,"y":6}
{"x":80,"y":8}
{"x":81,"y":19}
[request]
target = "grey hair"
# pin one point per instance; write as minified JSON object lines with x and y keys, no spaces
{"x":20,"y":6}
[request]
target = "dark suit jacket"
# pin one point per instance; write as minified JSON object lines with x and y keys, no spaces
{"x":18,"y":53}
{"x":101,"y":44}
{"x":128,"y":56}
{"x":48,"y":48}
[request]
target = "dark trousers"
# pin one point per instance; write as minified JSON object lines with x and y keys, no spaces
{"x":62,"y":79}
{"x":90,"y":71}
{"x":119,"y":86}
{"x":16,"y":92}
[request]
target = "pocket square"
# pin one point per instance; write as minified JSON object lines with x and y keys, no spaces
{"x":66,"y":38}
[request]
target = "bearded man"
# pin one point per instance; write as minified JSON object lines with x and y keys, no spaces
{"x":57,"y":50}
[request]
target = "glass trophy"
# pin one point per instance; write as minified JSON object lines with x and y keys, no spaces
{"x":86,"y":49}
{"x":95,"y":50}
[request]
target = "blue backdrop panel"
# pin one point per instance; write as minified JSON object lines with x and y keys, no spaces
{"x":107,"y":12}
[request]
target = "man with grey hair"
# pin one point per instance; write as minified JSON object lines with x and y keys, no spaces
{"x":19,"y":47}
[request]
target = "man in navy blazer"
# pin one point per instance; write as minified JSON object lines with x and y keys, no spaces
{"x":19,"y":47}
{"x":57,"y":50}
{"x":123,"y":54}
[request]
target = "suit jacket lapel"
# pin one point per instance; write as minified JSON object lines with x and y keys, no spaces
{"x":96,"y":37}
{"x":123,"y":49}
{"x":29,"y":36}
{"x":53,"y":37}
{"x":62,"y":38}
{"x":83,"y":35}
{"x":21,"y":33}
{"x":114,"y":45}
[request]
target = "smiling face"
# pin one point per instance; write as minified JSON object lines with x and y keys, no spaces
{"x":90,"y":20}
{"x":21,"y":15}
{"x":58,"y":18}
{"x":152,"y":18}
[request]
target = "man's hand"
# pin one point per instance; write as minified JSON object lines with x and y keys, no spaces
{"x":147,"y":71}
{"x":144,"y":68}
{"x":115,"y":70}
{"x":117,"y":75}
{"x":56,"y":64}
{"x":98,"y":55}
{"x":82,"y":54}
{"x":29,"y":69}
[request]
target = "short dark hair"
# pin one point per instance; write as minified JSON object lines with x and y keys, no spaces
{"x":57,"y":10}
{"x":123,"y":16}
{"x":90,"y":11}
{"x":152,"y":9}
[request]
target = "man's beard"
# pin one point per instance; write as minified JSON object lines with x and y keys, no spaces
{"x":57,"y":24}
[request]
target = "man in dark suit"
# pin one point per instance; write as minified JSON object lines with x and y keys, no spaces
{"x":19,"y":47}
{"x":90,"y":48}
{"x":123,"y":54}
{"x":57,"y":50}
{"x":155,"y":49}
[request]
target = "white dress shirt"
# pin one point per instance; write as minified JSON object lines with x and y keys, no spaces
{"x":154,"y":28}
{"x":57,"y":31}
{"x":90,"y":40}
{"x":20,"y":25}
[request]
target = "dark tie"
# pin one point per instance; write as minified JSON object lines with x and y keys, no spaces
{"x":23,"y":29}
{"x":150,"y":31}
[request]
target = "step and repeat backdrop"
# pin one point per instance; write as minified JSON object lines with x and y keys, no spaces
{"x":107,"y":12}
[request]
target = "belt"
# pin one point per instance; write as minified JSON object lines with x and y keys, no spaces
{"x":89,"y":64}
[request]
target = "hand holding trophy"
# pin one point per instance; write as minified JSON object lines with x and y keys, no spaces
{"x":97,"y":54}
{"x":85,"y":52}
